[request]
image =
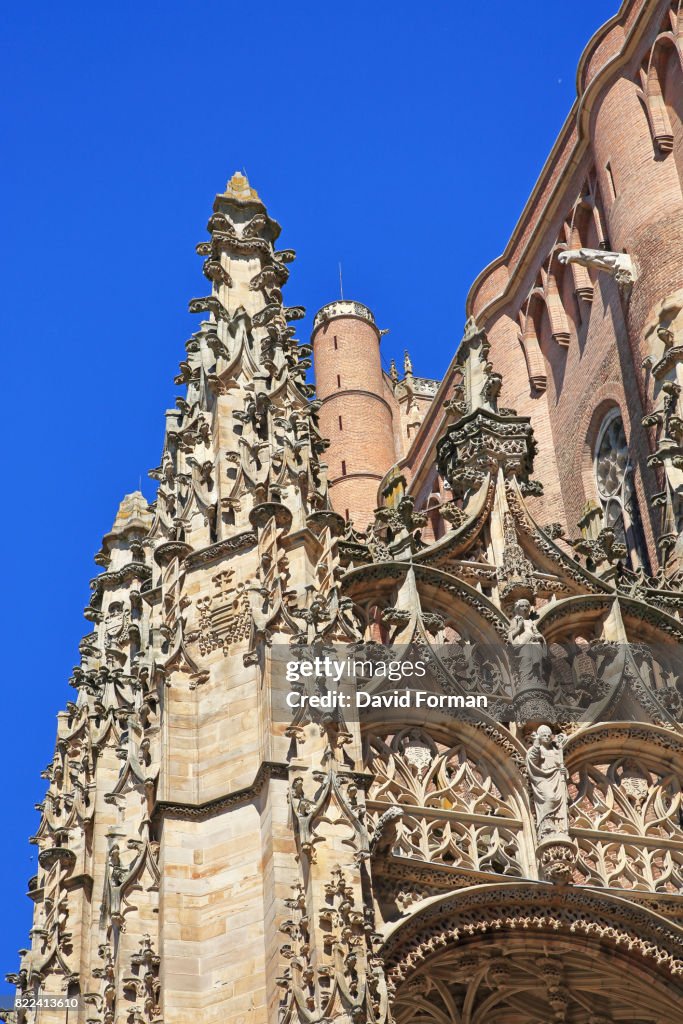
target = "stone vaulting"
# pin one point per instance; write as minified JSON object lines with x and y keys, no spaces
{"x":206,"y":855}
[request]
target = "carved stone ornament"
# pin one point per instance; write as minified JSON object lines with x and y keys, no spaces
{"x":548,"y":781}
{"x":618,"y":265}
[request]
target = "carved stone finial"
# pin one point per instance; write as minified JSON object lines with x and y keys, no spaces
{"x":239,"y":188}
{"x":485,"y":438}
{"x":401,"y":526}
{"x":516,"y":573}
{"x":471,"y":329}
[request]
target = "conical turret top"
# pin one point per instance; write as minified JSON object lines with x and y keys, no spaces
{"x":133,"y":513}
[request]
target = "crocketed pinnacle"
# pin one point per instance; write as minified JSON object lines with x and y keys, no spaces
{"x":133,"y":511}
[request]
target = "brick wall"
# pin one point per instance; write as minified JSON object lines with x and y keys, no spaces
{"x":356,"y":414}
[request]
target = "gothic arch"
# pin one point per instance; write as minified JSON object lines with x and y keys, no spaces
{"x":501,"y":751}
{"x":441,"y":595}
{"x":584,"y":615}
{"x":521,"y":980}
{"x":612,"y":738}
{"x":472,"y":527}
{"x":531,"y":326}
{"x":652,"y":78}
{"x":604,"y":405}
{"x":434,"y":528}
{"x":607,"y":410}
{"x":578,"y":235}
{"x":574,"y":939}
{"x":460,"y":603}
{"x":669,"y":61}
{"x":545,"y":323}
{"x":456,"y":798}
{"x":556,"y":289}
{"x":625,"y":807}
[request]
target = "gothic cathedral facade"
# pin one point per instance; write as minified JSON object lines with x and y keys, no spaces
{"x":205,"y":855}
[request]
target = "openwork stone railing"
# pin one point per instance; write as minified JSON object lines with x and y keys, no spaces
{"x":342,"y":308}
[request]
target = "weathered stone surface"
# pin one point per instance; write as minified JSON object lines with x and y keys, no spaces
{"x":207,"y":854}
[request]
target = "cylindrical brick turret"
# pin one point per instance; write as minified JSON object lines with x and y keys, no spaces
{"x":642,"y":195}
{"x":355,"y":414}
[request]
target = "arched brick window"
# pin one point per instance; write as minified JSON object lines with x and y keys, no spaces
{"x":613,"y":472}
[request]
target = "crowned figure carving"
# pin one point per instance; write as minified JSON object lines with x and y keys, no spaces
{"x":548,"y":782}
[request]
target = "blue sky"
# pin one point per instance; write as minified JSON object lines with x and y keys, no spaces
{"x":399,"y":139}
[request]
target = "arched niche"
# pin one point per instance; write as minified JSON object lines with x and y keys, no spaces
{"x":530,"y":954}
{"x":457,"y":802}
{"x":626,"y":807}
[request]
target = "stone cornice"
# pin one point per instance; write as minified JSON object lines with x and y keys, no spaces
{"x":344,"y":308}
{"x":268,"y":770}
{"x":406,"y":870}
{"x":134,"y":570}
{"x":221,"y":548}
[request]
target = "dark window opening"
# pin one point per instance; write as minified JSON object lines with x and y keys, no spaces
{"x":335,"y":342}
{"x":343,"y":468}
{"x":340,"y":423}
{"x":338,"y":381}
{"x":610,"y":178}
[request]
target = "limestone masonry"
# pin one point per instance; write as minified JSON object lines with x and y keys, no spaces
{"x":213,"y":852}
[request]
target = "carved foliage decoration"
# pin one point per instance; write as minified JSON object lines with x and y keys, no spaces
{"x":347,"y":981}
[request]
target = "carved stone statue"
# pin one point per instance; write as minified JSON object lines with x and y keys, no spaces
{"x":548,"y":778}
{"x":618,"y":265}
{"x":529,"y":647}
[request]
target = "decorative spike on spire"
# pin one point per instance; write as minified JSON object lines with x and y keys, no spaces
{"x":393,"y":372}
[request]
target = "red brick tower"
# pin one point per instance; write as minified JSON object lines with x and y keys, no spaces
{"x":355,"y":415}
{"x":639,"y":163}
